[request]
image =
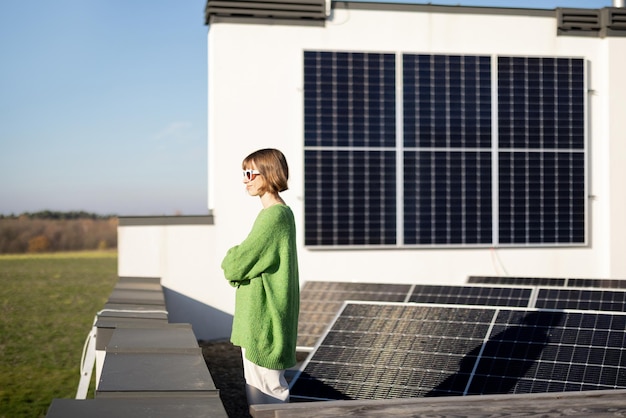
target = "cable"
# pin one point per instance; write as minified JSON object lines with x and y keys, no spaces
{"x":495,"y":260}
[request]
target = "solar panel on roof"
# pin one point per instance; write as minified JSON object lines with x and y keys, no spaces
{"x":320,"y":301}
{"x":528,"y":281}
{"x":388,"y":351}
{"x":581,"y":299}
{"x":607,"y":283}
{"x":472,"y":295}
{"x":549,"y":281}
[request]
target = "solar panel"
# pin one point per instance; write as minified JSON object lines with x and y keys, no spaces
{"x":549,"y":281}
{"x":447,"y":179}
{"x":388,"y":351}
{"x":528,"y":281}
{"x":320,"y":301}
{"x":349,"y":121}
{"x":541,"y":150}
{"x":420,"y":130}
{"x":581,"y":299}
{"x":606,"y":283}
{"x":472,"y":295}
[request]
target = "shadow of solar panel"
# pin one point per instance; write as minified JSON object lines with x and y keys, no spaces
{"x":388,"y":351}
{"x":549,"y":281}
{"x":570,"y":351}
{"x":320,"y":301}
{"x":581,"y":299}
{"x":472,"y":295}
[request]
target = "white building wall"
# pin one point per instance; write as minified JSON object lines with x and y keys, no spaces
{"x":256,"y":101}
{"x":615,"y":141}
{"x":262,"y":105}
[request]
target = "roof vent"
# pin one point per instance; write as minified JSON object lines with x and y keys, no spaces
{"x":274,"y":10}
{"x":578,"y":22}
{"x":613,"y":21}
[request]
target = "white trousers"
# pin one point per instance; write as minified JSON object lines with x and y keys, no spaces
{"x":264,"y":385}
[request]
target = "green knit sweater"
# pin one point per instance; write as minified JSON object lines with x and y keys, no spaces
{"x":264,"y":269}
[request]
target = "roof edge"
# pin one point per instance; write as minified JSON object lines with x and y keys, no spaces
{"x":408,"y":7}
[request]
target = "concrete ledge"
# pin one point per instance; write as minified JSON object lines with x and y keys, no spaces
{"x":165,"y":220}
{"x":570,"y":404}
{"x":208,"y":407}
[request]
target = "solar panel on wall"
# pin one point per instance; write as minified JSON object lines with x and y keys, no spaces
{"x":452,"y":114}
{"x":541,"y":150}
{"x":388,"y":351}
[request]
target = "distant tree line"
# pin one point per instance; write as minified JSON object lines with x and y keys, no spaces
{"x":50,"y":231}
{"x":56,"y":215}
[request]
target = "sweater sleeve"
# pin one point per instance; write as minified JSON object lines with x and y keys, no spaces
{"x":257,"y":253}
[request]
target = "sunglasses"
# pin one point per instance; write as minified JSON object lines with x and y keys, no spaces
{"x":250,"y":174}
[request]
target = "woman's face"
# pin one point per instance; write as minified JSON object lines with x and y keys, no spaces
{"x":254,"y":186}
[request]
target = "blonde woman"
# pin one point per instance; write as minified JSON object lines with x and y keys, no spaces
{"x":264,"y":271}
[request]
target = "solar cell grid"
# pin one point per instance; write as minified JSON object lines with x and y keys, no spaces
{"x":447,"y":111}
{"x":528,"y":281}
{"x":606,"y":283}
{"x":471,"y":295}
{"x":584,"y":299}
{"x":320,"y":301}
{"x":463,"y":350}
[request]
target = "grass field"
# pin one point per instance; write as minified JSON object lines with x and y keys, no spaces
{"x":47,"y":307}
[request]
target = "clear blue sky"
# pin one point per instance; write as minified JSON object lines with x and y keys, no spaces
{"x":103,"y":104}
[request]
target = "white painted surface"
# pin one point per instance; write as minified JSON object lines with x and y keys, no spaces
{"x":255,"y":101}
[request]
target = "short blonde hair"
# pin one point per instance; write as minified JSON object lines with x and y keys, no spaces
{"x":272,"y":165}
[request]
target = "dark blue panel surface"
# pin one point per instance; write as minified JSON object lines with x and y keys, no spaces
{"x":452,"y":171}
{"x":541,"y":197}
{"x":350,"y":197}
{"x":447,"y":197}
{"x":349,"y":99}
{"x":446,"y":101}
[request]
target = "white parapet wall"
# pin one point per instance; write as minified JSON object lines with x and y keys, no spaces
{"x":181,"y":251}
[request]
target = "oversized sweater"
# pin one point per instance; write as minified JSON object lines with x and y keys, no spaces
{"x":264,"y":269}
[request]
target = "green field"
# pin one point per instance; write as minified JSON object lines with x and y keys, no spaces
{"x":48,"y":303}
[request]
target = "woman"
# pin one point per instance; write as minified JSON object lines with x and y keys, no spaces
{"x":264,"y":269}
